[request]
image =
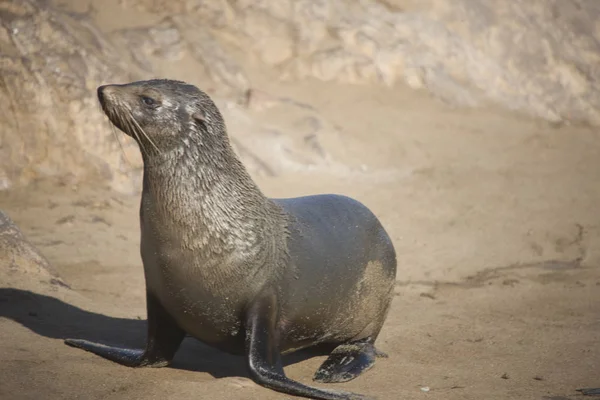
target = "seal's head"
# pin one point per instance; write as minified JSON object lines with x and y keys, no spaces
{"x":162,"y":115}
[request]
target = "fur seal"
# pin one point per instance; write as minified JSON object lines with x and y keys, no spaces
{"x":239,"y":271}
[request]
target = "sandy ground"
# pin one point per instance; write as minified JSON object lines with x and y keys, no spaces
{"x":494,"y":221}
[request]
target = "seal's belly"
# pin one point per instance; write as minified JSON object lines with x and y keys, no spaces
{"x":214,"y":321}
{"x":211,"y":323}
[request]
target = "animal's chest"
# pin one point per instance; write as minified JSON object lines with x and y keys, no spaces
{"x":204,"y":294}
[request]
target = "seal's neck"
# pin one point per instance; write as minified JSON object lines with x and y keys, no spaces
{"x":209,"y":199}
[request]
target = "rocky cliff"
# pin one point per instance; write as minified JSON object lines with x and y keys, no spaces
{"x":540,"y":57}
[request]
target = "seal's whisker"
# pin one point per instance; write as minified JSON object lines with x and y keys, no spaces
{"x":144,"y":132}
{"x":112,"y":128}
{"x":131,"y":128}
{"x":125,"y":123}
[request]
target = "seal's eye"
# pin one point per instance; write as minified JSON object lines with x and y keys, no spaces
{"x":148,"y":101}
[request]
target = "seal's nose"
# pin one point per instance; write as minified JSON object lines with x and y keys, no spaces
{"x":105,"y":91}
{"x":101,"y":93}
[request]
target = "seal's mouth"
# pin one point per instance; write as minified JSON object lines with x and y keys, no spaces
{"x":109,"y":101}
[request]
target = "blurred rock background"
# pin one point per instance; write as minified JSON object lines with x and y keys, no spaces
{"x":539,"y":57}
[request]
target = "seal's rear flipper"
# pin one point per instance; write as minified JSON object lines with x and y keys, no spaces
{"x":347,"y":361}
{"x":590,"y":392}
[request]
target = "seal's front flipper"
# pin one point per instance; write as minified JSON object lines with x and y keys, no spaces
{"x":264,"y":358}
{"x":590,"y":392}
{"x":128,"y":357}
{"x":347,"y":361}
{"x":164,"y":338}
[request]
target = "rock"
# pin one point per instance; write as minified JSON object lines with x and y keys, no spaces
{"x":50,"y":64}
{"x":176,"y":37}
{"x":538,"y":57}
{"x":22,"y":264}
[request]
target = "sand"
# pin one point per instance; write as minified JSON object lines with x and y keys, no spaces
{"x":493,"y":216}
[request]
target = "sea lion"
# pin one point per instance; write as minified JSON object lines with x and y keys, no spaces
{"x":239,"y":271}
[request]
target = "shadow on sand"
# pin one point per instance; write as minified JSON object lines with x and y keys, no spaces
{"x":53,"y":318}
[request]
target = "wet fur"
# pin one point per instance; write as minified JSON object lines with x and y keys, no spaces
{"x":235,"y":269}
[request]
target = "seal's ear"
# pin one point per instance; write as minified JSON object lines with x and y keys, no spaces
{"x":199,"y":116}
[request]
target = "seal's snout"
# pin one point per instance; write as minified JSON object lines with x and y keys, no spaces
{"x":101,"y":93}
{"x":105,"y":92}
